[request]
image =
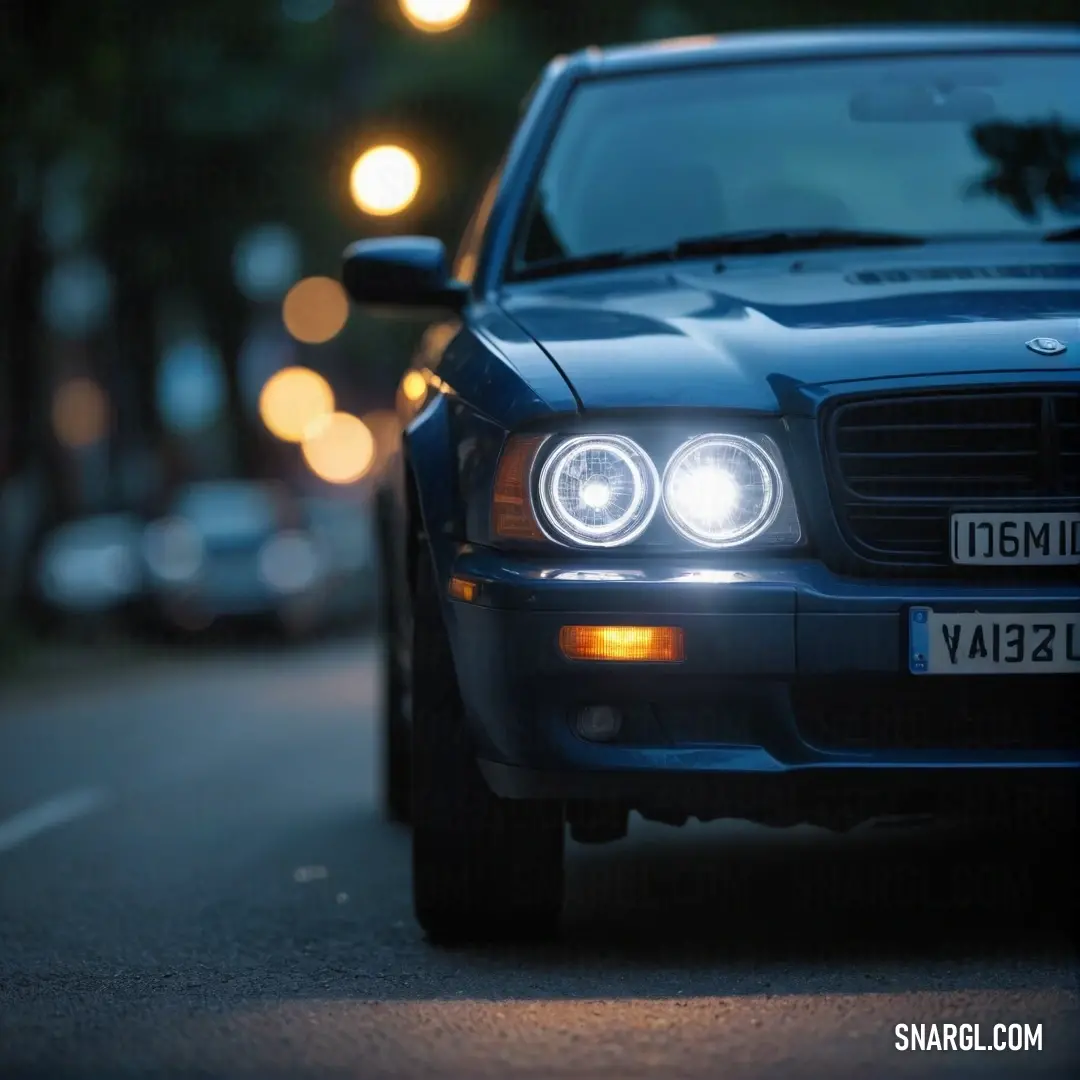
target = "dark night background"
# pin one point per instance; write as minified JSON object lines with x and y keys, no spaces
{"x":146,"y":145}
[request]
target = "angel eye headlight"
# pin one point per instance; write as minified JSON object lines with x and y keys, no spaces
{"x":598,"y":490}
{"x":722,"y":490}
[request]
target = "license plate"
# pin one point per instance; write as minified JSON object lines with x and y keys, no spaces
{"x":1016,"y":539}
{"x":999,"y":643}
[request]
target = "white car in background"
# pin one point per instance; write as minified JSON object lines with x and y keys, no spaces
{"x":343,"y":530}
{"x":90,"y":567}
{"x":239,"y":551}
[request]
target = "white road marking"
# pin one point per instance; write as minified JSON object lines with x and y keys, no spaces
{"x":58,"y":810}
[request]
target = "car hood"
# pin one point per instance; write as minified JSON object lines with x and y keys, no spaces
{"x":741,"y":337}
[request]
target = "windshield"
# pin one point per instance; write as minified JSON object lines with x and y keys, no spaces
{"x":934,"y":147}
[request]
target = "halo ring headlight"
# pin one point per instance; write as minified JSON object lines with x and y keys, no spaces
{"x":598,"y":491}
{"x":722,"y":491}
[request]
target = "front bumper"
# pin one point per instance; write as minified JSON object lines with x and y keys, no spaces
{"x":793,"y":676}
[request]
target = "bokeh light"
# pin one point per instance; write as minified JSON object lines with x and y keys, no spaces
{"x":384,"y":180}
{"x":385,"y":426}
{"x":339,"y":448}
{"x":414,"y":386}
{"x":315,"y":310}
{"x":435,"y":16}
{"x":294,"y":400}
{"x":80,"y":413}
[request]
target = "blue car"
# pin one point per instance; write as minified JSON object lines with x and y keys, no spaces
{"x":741,"y":462}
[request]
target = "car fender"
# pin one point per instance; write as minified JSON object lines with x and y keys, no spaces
{"x":429,"y":458}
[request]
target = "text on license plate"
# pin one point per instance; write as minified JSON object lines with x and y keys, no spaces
{"x":1002,"y":539}
{"x":998,"y":643}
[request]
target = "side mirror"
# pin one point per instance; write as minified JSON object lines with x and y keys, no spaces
{"x":396,"y":272}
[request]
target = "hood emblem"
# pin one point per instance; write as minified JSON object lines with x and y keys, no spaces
{"x":1046,"y":346}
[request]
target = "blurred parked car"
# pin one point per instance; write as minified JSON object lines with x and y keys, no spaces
{"x":344,"y":535}
{"x":90,"y":568}
{"x":235,"y":550}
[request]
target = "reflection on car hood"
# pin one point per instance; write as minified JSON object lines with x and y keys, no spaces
{"x":697,"y":337}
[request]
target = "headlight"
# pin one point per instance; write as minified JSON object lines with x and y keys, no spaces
{"x":88,"y":577}
{"x":598,"y":491}
{"x":173,"y":550}
{"x":722,"y":490}
{"x":289,"y":563}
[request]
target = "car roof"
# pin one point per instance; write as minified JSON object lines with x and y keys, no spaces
{"x":807,"y":44}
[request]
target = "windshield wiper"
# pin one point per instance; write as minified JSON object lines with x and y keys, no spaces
{"x":777,"y":241}
{"x":580,"y":264}
{"x":750,"y":242}
{"x":1063,"y":236}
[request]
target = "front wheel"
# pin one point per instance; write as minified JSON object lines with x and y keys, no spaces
{"x":484,"y":868}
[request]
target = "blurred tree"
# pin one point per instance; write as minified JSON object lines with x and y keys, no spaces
{"x":1031,"y":166}
{"x":186,"y":121}
{"x":195,"y":120}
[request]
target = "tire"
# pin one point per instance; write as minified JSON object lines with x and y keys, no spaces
{"x":484,"y":868}
{"x":395,"y":744}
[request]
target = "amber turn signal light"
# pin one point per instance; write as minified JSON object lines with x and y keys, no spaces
{"x":462,"y":589}
{"x":656,"y":644}
{"x":512,"y":515}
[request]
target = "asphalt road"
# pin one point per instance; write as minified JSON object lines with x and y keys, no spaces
{"x":194,"y":880}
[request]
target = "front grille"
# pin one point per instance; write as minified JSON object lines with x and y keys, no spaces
{"x":898,"y":465}
{"x":1034,"y":713}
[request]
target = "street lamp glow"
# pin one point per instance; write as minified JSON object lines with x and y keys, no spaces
{"x":315,"y":310}
{"x":339,"y":449}
{"x":386,"y":430}
{"x":414,"y":386}
{"x":384,"y":180}
{"x":80,"y":413}
{"x":435,"y":16}
{"x":293,"y":401}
